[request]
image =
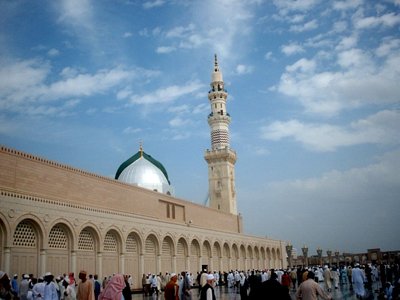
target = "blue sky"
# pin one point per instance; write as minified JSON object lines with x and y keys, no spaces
{"x":314,"y":94}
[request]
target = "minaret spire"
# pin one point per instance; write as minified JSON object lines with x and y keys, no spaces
{"x":221,"y":158}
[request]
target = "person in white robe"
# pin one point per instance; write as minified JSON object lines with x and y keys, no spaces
{"x":358,"y":278}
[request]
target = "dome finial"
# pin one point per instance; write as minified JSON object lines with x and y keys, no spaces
{"x":215,"y":60}
{"x":141,"y":148}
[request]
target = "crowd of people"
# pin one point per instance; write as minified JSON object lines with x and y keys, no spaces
{"x":65,"y":287}
{"x":304,"y":283}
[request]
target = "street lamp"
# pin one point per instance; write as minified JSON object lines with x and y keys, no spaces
{"x":329,"y":253}
{"x":319,"y":252}
{"x":289,"y":249}
{"x":337,"y":257}
{"x":305,"y":254}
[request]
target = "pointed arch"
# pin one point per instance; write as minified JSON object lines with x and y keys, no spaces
{"x":216,"y":256}
{"x":195,"y":255}
{"x":27,"y":240}
{"x":167,"y":254}
{"x":112,"y":249}
{"x":256,"y":258}
{"x":235,"y":257}
{"x":206,"y":254}
{"x":182,"y":255}
{"x":226,"y":257}
{"x":250,"y":262}
{"x":60,"y":243}
{"x":133,"y":246}
{"x":242,"y":258}
{"x":88,"y":247}
{"x":151,"y":251}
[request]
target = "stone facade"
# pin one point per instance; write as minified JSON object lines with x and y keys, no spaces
{"x":61,"y":219}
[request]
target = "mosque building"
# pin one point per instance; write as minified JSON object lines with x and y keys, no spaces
{"x":59,"y":218}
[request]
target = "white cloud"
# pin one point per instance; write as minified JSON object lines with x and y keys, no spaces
{"x":131,"y":130}
{"x":286,"y":6}
{"x":76,"y":13}
{"x":24,"y":83}
{"x":152,"y":4}
{"x":339,"y":197}
{"x":386,"y":20}
{"x":165,"y":49}
{"x":387,"y":46}
{"x":269,"y":55}
{"x":347,"y":4}
{"x":243,"y":69}
{"x":181,"y":109}
{"x":303,"y":65}
{"x":359,"y":81}
{"x":292,"y":48}
{"x":347,"y":42}
{"x":127,"y":34}
{"x":178,"y":122}
{"x":311,"y":25}
{"x":53,"y":52}
{"x":168,"y":94}
{"x":180,"y":31}
{"x":380,"y":128}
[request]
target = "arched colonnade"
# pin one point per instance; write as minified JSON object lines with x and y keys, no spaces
{"x":30,"y":245}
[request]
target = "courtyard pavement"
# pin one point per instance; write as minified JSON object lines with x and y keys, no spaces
{"x":223,"y":293}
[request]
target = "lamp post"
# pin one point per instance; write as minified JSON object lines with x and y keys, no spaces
{"x":337,"y":257}
{"x":289,"y":249}
{"x":319,"y":252}
{"x":305,"y":255}
{"x":329,"y":253}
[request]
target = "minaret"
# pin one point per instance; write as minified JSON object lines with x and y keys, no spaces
{"x":221,"y":158}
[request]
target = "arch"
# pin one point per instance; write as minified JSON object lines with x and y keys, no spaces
{"x":133,"y":246}
{"x":278,"y":262}
{"x":250,"y":262}
{"x":4,"y":234}
{"x":60,"y":242}
{"x":69,"y":228}
{"x":263,"y":257}
{"x":216,"y":257}
{"x":235,"y":257}
{"x":242,"y":258}
{"x":112,"y":249}
{"x":151,"y":251}
{"x":167,"y":253}
{"x":273,"y":258}
{"x":27,"y":240}
{"x":268,"y":262}
{"x":182,"y":254}
{"x":88,"y":246}
{"x":226,"y":257}
{"x":206,"y":254}
{"x":195,"y":255}
{"x":256,"y":258}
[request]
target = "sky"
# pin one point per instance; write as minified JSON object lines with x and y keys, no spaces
{"x":313,"y":93}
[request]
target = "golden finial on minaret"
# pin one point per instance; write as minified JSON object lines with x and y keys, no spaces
{"x":215,"y":60}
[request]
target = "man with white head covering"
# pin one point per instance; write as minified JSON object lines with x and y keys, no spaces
{"x":358,"y":278}
{"x":207,"y":292}
{"x":24,"y":287}
{"x":50,"y":287}
{"x":38,"y":289}
{"x":328,"y":278}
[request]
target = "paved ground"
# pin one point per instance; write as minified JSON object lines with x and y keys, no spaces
{"x":222,"y":293}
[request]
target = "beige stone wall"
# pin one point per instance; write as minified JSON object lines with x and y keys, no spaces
{"x":61,"y":219}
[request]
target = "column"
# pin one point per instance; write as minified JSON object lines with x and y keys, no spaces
{"x":7,"y":258}
{"x":42,"y":260}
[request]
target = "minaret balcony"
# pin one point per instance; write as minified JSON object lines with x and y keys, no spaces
{"x":219,"y":119}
